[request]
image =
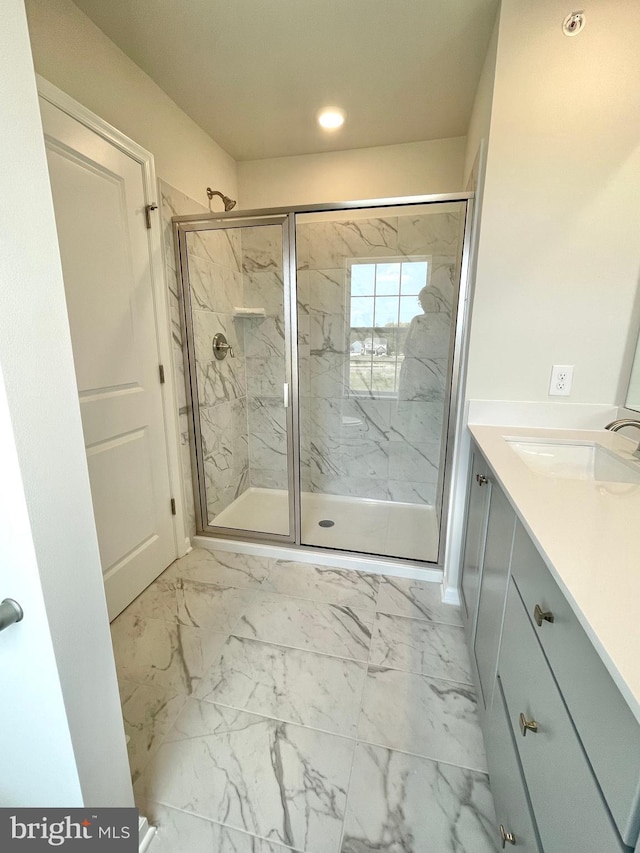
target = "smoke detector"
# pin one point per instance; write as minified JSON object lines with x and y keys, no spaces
{"x":573,"y":24}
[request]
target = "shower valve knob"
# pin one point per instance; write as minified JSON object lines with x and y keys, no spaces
{"x":221,"y":347}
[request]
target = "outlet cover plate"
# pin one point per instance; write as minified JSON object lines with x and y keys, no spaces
{"x":561,"y":380}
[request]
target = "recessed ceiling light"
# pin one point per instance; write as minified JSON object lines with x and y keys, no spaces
{"x":331,"y":118}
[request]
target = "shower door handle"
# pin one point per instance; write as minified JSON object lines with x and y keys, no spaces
{"x":285,"y":392}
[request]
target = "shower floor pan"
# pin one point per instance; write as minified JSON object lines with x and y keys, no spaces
{"x":385,"y":528}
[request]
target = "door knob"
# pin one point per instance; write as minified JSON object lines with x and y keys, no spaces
{"x":10,"y":613}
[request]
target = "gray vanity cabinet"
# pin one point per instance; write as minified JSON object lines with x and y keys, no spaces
{"x":563,"y":748}
{"x":493,"y":589}
{"x":607,"y":729}
{"x":566,"y":800}
{"x":477,"y":508}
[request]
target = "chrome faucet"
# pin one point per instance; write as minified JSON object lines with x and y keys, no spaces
{"x":621,"y":423}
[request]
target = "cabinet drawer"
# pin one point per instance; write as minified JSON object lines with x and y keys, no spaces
{"x":609,"y":732}
{"x":569,"y":809}
{"x":513,"y":812}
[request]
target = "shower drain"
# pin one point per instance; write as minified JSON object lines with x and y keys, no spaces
{"x":326,"y":522}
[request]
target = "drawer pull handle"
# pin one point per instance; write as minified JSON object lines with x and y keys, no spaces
{"x":527,"y":725}
{"x":506,"y":836}
{"x":541,"y":615}
{"x":481,"y":479}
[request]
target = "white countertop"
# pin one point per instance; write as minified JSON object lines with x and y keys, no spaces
{"x":589,"y":535}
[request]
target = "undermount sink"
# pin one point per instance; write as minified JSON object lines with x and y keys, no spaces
{"x":575,"y":461}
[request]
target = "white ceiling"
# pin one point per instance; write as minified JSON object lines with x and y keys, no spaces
{"x":253,"y":73}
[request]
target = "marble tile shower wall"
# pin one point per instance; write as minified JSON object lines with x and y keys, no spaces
{"x":241,"y":413}
{"x":216,"y":288}
{"x":215,"y":268}
{"x":368,"y":446}
{"x":175,"y":203}
{"x":265,"y":356}
{"x":362,"y":446}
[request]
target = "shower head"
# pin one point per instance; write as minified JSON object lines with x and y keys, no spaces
{"x":229,"y":203}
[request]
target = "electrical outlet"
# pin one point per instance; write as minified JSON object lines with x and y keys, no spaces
{"x":561,"y":379}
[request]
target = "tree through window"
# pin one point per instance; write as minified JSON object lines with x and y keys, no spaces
{"x":383,"y":301}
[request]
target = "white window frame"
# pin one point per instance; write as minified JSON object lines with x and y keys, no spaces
{"x":349,"y":263}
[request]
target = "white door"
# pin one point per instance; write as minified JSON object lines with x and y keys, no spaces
{"x":99,"y":202}
{"x":61,"y":733}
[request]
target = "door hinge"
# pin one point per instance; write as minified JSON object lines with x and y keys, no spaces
{"x":173,"y":506}
{"x":161,"y":372}
{"x":147,"y":213}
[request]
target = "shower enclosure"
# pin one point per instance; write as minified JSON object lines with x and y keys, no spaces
{"x":322,"y":354}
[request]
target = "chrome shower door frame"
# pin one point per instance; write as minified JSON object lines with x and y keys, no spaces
{"x":460,"y":321}
{"x":182,"y":227}
{"x":457,"y":375}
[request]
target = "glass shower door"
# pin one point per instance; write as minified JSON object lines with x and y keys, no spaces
{"x":235,"y":304}
{"x":377,"y":302}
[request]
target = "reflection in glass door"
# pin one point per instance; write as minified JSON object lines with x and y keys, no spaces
{"x":235,"y":304}
{"x":377,"y":302}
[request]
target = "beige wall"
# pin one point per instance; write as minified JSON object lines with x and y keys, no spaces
{"x":481,"y":114}
{"x":72,"y":53}
{"x":557,"y":263}
{"x":559,"y":255}
{"x":414,"y":168}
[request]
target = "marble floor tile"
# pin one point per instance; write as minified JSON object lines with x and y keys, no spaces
{"x":243,"y":742}
{"x":224,"y":568}
{"x":404,"y":804}
{"x":148,"y":713}
{"x":165,"y":654}
{"x":417,"y":599}
{"x":323,"y":583}
{"x":327,"y":628}
{"x":279,"y":781}
{"x":189,"y":602}
{"x":296,"y":686}
{"x":427,"y":716}
{"x":181,"y":832}
{"x":414,"y":645}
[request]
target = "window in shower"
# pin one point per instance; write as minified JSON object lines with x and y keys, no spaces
{"x":383,"y":304}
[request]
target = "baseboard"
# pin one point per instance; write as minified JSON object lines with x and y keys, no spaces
{"x":145,"y":834}
{"x":451,"y":595}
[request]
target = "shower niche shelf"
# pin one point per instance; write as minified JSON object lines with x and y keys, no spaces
{"x":249,"y":312}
